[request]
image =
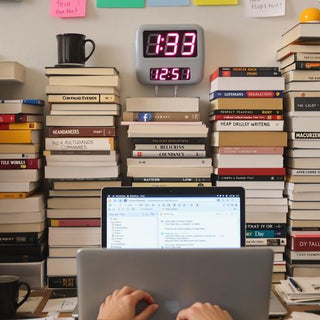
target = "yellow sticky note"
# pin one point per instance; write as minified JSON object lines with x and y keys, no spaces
{"x":215,"y":2}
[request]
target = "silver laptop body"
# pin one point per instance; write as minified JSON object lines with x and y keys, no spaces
{"x":238,"y":280}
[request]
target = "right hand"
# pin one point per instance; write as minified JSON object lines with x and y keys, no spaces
{"x":203,"y":311}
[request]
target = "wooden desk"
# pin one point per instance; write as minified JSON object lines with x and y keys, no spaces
{"x":46,"y":294}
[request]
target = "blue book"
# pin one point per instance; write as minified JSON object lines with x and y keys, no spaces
{"x":25,"y":101}
{"x":266,"y":233}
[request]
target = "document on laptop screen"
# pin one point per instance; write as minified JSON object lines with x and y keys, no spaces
{"x":139,"y":221}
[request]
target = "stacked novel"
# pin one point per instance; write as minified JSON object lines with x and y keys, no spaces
{"x":81,"y":157}
{"x":169,"y":142}
{"x":301,"y":69}
{"x":248,"y":139}
{"x":23,"y":240}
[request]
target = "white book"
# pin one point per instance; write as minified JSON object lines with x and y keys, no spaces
{"x":66,"y":252}
{"x":18,"y":186}
{"x":302,"y":187}
{"x":302,"y":86}
{"x":253,"y":185}
{"x":80,"y":144}
{"x":80,"y":120}
{"x":258,"y":193}
{"x":82,"y":163}
{"x":265,"y":201}
{"x":33,"y":203}
{"x":266,"y":217}
{"x":305,"y":124}
{"x":248,"y":161}
{"x":169,"y":154}
{"x":169,"y":147}
{"x":67,"y":172}
{"x":248,"y":125}
{"x":266,"y":208}
{"x":193,"y":162}
{"x":73,"y":213}
{"x":19,"y":175}
{"x":113,"y":156}
{"x":69,"y":236}
{"x":162,"y":104}
{"x":247,"y":83}
{"x":22,"y":217}
{"x":61,"y":266}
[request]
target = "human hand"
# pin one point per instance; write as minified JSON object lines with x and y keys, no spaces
{"x":121,"y":305}
{"x":203,"y":311}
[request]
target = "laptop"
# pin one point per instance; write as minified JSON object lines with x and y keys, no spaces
{"x":177,"y":217}
{"x":177,"y":278}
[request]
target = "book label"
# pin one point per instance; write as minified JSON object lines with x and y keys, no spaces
{"x":307,"y":104}
{"x":245,"y":94}
{"x":307,"y":135}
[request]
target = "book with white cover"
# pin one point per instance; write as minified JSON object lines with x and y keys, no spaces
{"x":30,"y":204}
{"x":248,"y":125}
{"x":247,"y":83}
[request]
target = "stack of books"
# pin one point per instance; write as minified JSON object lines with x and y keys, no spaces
{"x":23,"y":241}
{"x":169,"y":142}
{"x":81,"y":157}
{"x":301,"y":68}
{"x":248,"y":143}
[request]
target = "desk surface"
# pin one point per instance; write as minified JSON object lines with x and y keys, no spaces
{"x":46,"y":294}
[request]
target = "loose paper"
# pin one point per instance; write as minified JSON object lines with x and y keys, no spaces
{"x":30,"y":305}
{"x":61,"y":305}
{"x":265,"y":8}
{"x":68,"y":8}
{"x":167,"y":3}
{"x":214,"y":2}
{"x":120,"y":3}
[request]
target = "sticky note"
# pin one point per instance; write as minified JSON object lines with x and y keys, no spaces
{"x":167,"y":3}
{"x":214,"y":2}
{"x":68,"y":8}
{"x":120,"y":3}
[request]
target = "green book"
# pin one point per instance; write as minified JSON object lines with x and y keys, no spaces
{"x":120,"y":3}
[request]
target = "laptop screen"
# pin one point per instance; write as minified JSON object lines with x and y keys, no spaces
{"x":151,"y":218}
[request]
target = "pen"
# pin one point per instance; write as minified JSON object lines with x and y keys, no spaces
{"x":294,"y":283}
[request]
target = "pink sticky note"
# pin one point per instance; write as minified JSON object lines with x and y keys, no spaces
{"x":68,"y":8}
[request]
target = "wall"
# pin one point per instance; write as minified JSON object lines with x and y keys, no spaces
{"x":27,"y":35}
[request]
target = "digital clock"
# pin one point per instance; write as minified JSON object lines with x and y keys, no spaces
{"x":170,"y":54}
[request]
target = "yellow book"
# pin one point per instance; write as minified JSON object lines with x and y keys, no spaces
{"x":20,"y":136}
{"x":214,"y":2}
{"x":15,"y":195}
{"x":25,"y":126}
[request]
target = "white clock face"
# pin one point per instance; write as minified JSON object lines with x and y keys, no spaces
{"x":170,"y":54}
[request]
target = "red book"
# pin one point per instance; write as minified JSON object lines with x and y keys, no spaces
{"x":19,"y":118}
{"x":82,"y":131}
{"x":250,"y":171}
{"x":305,"y":242}
{"x":74,"y":222}
{"x":20,"y":163}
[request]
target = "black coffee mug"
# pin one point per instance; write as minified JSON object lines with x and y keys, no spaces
{"x":9,"y":293}
{"x":71,"y":48}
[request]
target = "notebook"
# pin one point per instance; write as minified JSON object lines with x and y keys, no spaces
{"x":177,"y":278}
{"x":180,"y":217}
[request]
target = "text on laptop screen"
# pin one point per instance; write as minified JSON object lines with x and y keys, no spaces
{"x":172,"y":221}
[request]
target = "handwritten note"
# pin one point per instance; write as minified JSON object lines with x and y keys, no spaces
{"x":215,"y":2}
{"x":68,"y":8}
{"x":265,"y":8}
{"x":61,"y":305}
{"x":167,"y":3}
{"x":120,"y":3}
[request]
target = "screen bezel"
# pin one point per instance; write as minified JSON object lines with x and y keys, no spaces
{"x":174,"y":191}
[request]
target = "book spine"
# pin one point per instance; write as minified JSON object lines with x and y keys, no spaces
{"x":161,"y":116}
{"x":265,"y":233}
{"x":234,"y":125}
{"x":168,"y":154}
{"x":62,"y":282}
{"x":156,"y":179}
{"x":19,"y":238}
{"x":305,"y":243}
{"x":72,"y":153}
{"x":81,"y":132}
{"x":74,"y":222}
{"x":81,"y":98}
{"x":306,"y":104}
{"x":266,"y":241}
{"x":250,"y":150}
{"x":266,"y":226}
{"x":248,"y":178}
{"x":25,"y":101}
{"x":20,"y":164}
{"x":173,"y":147}
{"x":251,"y":171}
{"x":248,"y":112}
{"x":21,"y":126}
{"x":305,"y":65}
{"x":245,"y":72}
{"x":80,"y":144}
{"x":304,"y":255}
{"x":304,"y":135}
{"x":168,"y":140}
{"x":304,"y":172}
{"x":304,"y":56}
{"x":14,"y":195}
{"x":13,"y":118}
{"x":244,"y":117}
{"x":245,"y":94}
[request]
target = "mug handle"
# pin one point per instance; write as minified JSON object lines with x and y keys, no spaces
{"x":93,"y":48}
{"x":27,"y":294}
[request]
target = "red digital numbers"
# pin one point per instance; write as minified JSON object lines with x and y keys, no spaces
{"x":176,"y":44}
